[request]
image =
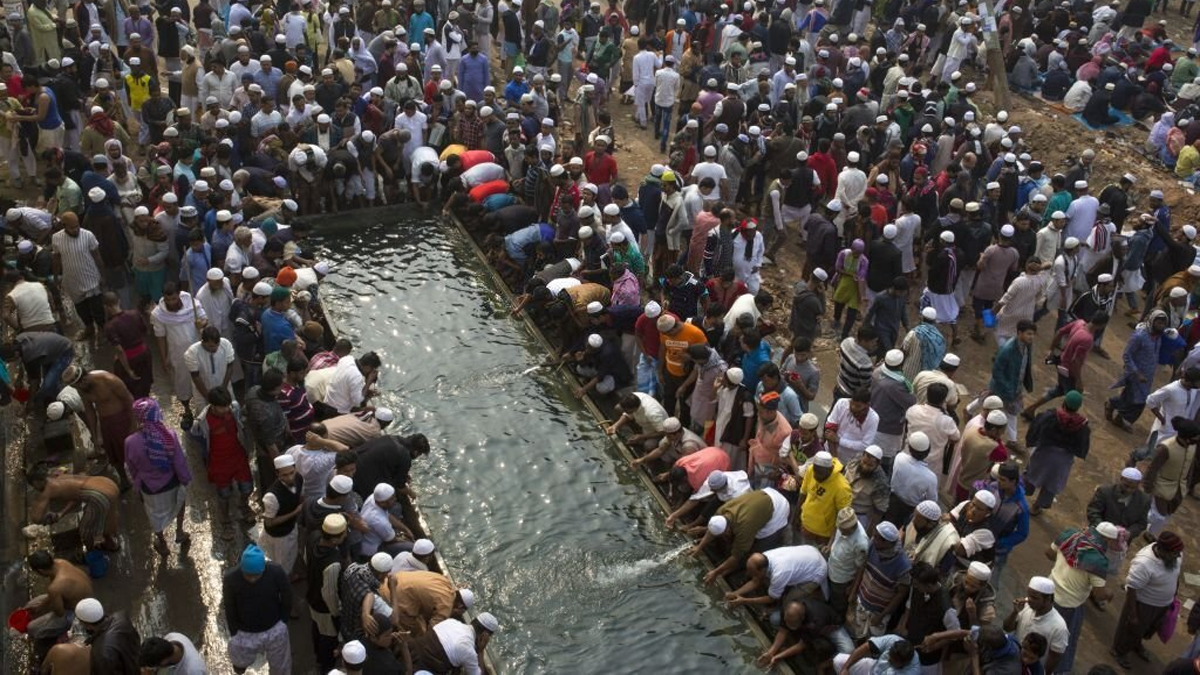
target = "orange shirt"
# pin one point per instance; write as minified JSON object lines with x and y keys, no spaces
{"x":675,"y":346}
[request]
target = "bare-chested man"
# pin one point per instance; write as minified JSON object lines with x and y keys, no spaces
{"x":107,"y":411}
{"x":68,"y":658}
{"x":97,"y":496}
{"x":54,"y":609}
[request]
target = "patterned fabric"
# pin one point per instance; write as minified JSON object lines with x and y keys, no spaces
{"x":160,"y":442}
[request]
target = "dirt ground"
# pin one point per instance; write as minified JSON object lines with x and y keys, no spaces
{"x":1055,"y":138}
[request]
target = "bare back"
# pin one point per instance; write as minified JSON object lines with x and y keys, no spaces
{"x":70,"y":584}
{"x":108,"y":393}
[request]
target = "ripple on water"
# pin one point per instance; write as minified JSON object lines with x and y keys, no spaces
{"x":525,"y":497}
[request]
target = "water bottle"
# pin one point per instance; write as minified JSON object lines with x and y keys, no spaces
{"x":989,"y":318}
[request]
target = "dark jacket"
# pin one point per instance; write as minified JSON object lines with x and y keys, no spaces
{"x":1106,"y":506}
{"x":115,"y":647}
{"x":807,"y":309}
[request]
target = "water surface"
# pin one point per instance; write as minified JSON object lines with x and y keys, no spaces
{"x":528,"y":501}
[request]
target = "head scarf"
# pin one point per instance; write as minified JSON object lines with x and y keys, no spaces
{"x":160,"y":442}
{"x":102,"y":123}
{"x":1158,"y":135}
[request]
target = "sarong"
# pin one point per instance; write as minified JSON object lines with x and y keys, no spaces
{"x":143,"y":368}
{"x":93,"y":515}
{"x":1049,"y":469}
{"x":162,"y":508}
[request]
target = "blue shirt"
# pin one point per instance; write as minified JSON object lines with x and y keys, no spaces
{"x":518,"y":242}
{"x":497,"y":202}
{"x":197,"y":263}
{"x":882,"y":645}
{"x":514,"y":90}
{"x":473,"y":76}
{"x":751,"y":362}
{"x":269,"y":81}
{"x":275,"y":329}
{"x":417,"y":24}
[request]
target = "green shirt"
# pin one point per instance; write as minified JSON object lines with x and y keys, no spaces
{"x":604,"y":56}
{"x":747,"y":515}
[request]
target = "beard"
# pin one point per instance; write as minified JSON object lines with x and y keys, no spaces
{"x":1170,"y":563}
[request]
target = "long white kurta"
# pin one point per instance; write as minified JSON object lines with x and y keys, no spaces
{"x":745,"y":269}
{"x":179,"y":328}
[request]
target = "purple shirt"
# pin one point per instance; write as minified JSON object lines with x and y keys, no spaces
{"x":145,"y":476}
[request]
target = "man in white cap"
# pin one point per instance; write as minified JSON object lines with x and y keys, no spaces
{"x":1178,"y":398}
{"x":1067,"y":276}
{"x":384,"y":531}
{"x":416,"y":560}
{"x":453,"y":644}
{"x":891,"y":398}
{"x":929,"y":538}
{"x":647,"y":414}
{"x":851,"y":189}
{"x":1123,"y":503}
{"x":972,"y":520}
{"x":1140,"y":363}
{"x":912,"y":480}
{"x":354,"y":429}
{"x":282,"y":503}
{"x":883,"y":592}
{"x":177,"y":320}
{"x":1081,"y":567}
{"x":1150,"y":591}
{"x":1035,"y":613}
{"x":112,"y":641}
{"x":755,"y":520}
{"x":996,"y":265}
{"x":924,"y":346}
{"x":824,"y":491}
{"x":870,"y":486}
{"x":421,"y":599}
{"x":932,"y":417}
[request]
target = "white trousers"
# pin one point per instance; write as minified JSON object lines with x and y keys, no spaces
{"x":643,"y":94}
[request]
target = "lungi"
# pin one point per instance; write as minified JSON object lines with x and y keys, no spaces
{"x":281,"y":550}
{"x":245,"y":647}
{"x":162,"y":508}
{"x":93,"y":516}
{"x":113,"y":431}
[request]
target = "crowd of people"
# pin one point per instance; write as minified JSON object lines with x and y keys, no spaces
{"x":875,"y":525}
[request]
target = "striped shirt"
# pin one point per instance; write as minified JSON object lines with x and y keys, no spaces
{"x":854,"y":367}
{"x":80,"y":275}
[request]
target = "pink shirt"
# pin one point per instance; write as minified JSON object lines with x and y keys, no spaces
{"x":701,"y":463}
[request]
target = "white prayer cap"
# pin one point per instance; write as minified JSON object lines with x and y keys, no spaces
{"x":997,"y":418}
{"x":1081,"y":185}
{"x":951,"y":360}
{"x":323,"y":119}
{"x":834,"y":205}
{"x":852,"y":157}
{"x":1179,"y":292}
{"x":200,"y":186}
{"x":224,"y":215}
{"x":341,"y":484}
{"x":135,"y":61}
{"x":710,"y":151}
{"x":979,"y":571}
{"x":89,"y":610}
{"x":1039,"y":197}
{"x":1189,"y":231}
{"x":353,"y":652}
{"x":24,"y":246}
{"x":284,"y":461}
{"x":595,"y":307}
{"x":291,"y":205}
{"x":887,"y":531}
{"x":214,"y":274}
{"x":717,"y":480}
{"x":1043,"y":585}
{"x":1071,"y":242}
{"x":250,"y":273}
{"x":671,"y":424}
{"x":1104,"y":279}
{"x":384,"y":414}
{"x":929,"y":509}
{"x":465,"y":594}
{"x":985,"y":497}
{"x":823,"y":458}
{"x":96,"y":194}
{"x":383,"y":492}
{"x":948,"y":236}
{"x":425,"y":547}
{"x":735,"y":375}
{"x":1157,"y":194}
{"x":557,"y":170}
{"x":488,"y":622}
{"x":226,"y":185}
{"x":821,"y":274}
{"x":486,"y":111}
{"x":595,"y":341}
{"x":1130,"y":177}
{"x":616,"y":237}
{"x":889,"y":230}
{"x":222,"y":123}
{"x":874,"y":451}
{"x":717,"y":525}
{"x":141,"y":211}
{"x":380,"y":562}
{"x":585,"y":232}
{"x":918,"y":441}
{"x":102,"y":83}
{"x":1058,"y":215}
{"x":1108,"y":530}
{"x":894,"y":357}
{"x":990,"y":186}
{"x":653,"y":310}
{"x":55,"y":411}
{"x":929,"y":313}
{"x":262,"y":289}
{"x":67,"y":61}
{"x":612,"y":210}
{"x":1007,"y":230}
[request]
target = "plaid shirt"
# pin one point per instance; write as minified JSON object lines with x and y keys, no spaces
{"x":470,"y":132}
{"x":357,"y":581}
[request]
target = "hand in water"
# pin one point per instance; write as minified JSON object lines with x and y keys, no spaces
{"x":710,"y":578}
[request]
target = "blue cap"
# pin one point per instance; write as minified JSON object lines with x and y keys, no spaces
{"x":254,"y":561}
